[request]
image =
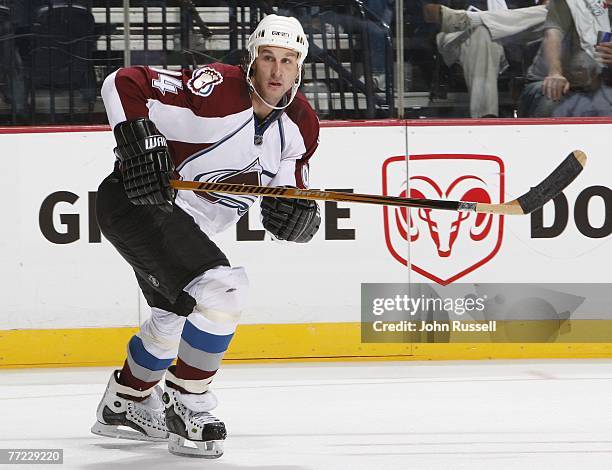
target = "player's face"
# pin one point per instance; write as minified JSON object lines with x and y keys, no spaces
{"x":276,"y":70}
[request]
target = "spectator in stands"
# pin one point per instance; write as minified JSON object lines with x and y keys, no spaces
{"x":476,"y":39}
{"x":383,"y":10}
{"x":311,"y":17}
{"x":12,"y":74}
{"x":43,"y":51}
{"x":566,"y":76}
{"x":331,"y":21}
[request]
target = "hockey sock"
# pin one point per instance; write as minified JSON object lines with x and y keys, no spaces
{"x":203,"y":344}
{"x":142,"y":369}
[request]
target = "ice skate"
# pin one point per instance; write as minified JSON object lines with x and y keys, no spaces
{"x":128,"y":419}
{"x":193,"y":431}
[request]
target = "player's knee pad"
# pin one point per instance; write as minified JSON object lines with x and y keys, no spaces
{"x":162,"y":331}
{"x":182,"y":306}
{"x":220,"y":294}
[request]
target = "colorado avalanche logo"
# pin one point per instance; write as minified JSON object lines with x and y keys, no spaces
{"x":248,"y":175}
{"x":204,"y":80}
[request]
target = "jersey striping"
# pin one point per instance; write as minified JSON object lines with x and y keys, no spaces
{"x":207,"y":118}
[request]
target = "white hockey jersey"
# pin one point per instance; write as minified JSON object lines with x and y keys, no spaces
{"x":207,"y":118}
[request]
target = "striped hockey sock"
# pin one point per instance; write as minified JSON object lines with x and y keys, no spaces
{"x":143,"y":368}
{"x":203,"y":344}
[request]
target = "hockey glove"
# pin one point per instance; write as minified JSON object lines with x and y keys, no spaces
{"x":294,"y":220}
{"x":145,"y":164}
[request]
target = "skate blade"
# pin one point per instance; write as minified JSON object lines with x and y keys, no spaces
{"x":110,"y":430}
{"x":178,"y":445}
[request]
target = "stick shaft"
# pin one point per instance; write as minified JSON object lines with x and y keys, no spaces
{"x":314,"y":194}
{"x":535,"y":198}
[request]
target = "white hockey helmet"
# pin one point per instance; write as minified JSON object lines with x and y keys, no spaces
{"x":279,"y":31}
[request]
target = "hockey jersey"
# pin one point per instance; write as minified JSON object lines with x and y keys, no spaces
{"x":207,"y":118}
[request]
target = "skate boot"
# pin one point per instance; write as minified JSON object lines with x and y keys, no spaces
{"x":190,"y":424}
{"x":127,"y":419}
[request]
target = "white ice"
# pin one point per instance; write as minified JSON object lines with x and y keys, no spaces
{"x":492,"y":415}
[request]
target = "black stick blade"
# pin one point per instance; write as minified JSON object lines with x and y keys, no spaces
{"x":554,"y":183}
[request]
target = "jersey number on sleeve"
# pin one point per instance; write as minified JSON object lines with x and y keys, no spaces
{"x":166,"y":83}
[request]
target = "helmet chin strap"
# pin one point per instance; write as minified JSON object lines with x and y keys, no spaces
{"x":293,"y":92}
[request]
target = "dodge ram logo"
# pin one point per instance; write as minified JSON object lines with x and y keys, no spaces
{"x":443,"y":245}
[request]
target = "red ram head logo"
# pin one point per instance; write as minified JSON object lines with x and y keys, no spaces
{"x":443,"y":246}
{"x":444,"y":225}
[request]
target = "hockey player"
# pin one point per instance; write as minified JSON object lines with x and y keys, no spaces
{"x":217,"y":123}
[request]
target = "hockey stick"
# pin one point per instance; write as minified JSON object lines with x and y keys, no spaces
{"x":533,"y":199}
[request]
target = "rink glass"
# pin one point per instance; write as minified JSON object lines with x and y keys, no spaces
{"x":372,"y":59}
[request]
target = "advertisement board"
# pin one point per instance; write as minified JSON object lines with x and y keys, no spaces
{"x":59,"y":273}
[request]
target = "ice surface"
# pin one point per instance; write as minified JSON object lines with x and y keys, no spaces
{"x":492,"y":415}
